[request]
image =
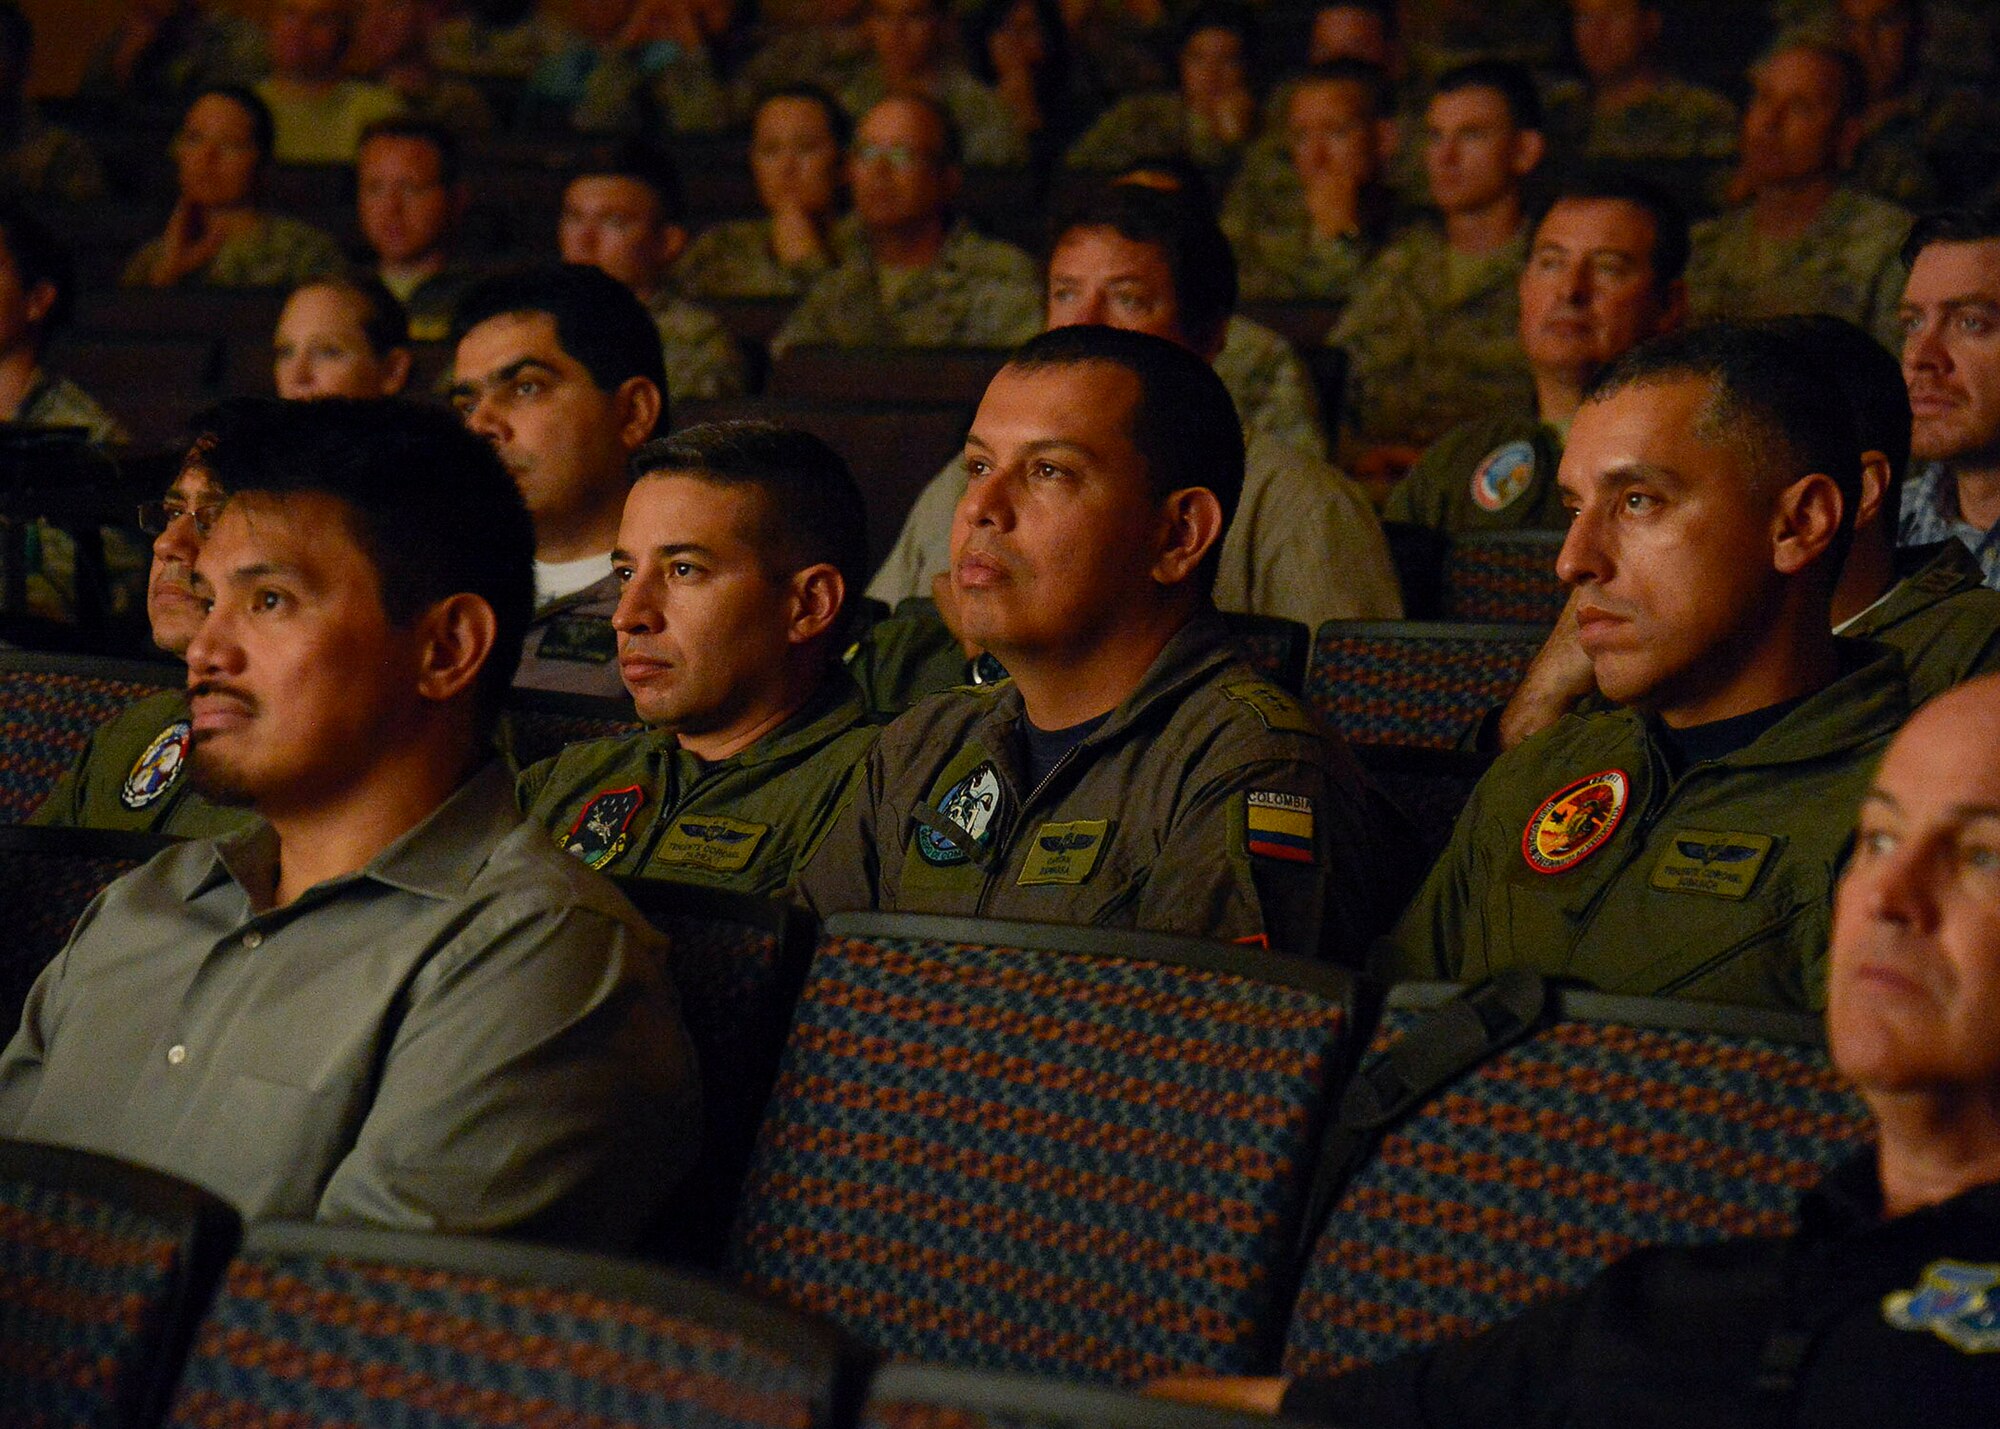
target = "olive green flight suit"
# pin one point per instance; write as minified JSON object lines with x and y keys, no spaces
{"x":641,"y":805}
{"x":1491,"y":474}
{"x":1209,"y":803}
{"x":133,"y":775}
{"x":1578,"y":856}
{"x":1940,"y":617}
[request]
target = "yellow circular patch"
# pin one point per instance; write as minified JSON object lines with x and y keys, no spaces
{"x":1573,"y":823}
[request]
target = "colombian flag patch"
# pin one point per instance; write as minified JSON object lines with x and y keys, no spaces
{"x":1280,"y":825}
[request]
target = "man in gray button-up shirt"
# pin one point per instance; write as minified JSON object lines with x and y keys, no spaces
{"x":391,"y":1001}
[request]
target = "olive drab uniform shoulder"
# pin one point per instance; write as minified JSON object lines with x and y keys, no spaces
{"x":571,"y":646}
{"x":133,"y":775}
{"x":1940,"y":617}
{"x":1431,"y":340}
{"x":1494,"y":474}
{"x":1579,"y":856}
{"x":735,"y":259}
{"x":977,"y":292}
{"x":1143,"y":128}
{"x":1208,"y":803}
{"x":702,"y":359}
{"x":642,"y":806}
{"x":275,"y":252}
{"x":1279,"y":256}
{"x":1846,"y":263}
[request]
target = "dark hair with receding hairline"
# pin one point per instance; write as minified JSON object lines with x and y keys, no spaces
{"x":837,"y":122}
{"x":1974,"y":223}
{"x":1670,"y":221}
{"x":428,"y":502}
{"x":263,"y":128}
{"x":384,"y":320}
{"x":644,"y":164}
{"x":1872,"y":381}
{"x":1184,"y":424}
{"x":812,"y":507}
{"x":442,"y":141}
{"x":1198,"y":257}
{"x":39,"y":257}
{"x":1371,"y":79}
{"x":1512,"y":82}
{"x":1767,"y":399}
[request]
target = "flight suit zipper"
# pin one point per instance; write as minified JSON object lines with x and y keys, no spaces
{"x":1020,"y":823}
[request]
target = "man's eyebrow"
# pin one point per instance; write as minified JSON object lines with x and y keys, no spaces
{"x":1963,"y":813}
{"x":503,"y":374}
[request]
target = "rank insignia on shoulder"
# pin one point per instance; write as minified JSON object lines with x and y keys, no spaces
{"x":1956,"y":1300}
{"x":1277,"y":709}
{"x":710,"y":842}
{"x":598,"y":835}
{"x":969,"y":806}
{"x":1502,"y":475}
{"x":1724,"y":865}
{"x":157,"y":766}
{"x":1573,"y":823}
{"x":1279,"y":825}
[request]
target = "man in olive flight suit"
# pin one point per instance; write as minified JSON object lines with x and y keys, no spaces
{"x":739,"y":545}
{"x":1133,"y":771}
{"x":1686,"y":843}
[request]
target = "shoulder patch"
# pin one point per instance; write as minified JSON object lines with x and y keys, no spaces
{"x":1956,"y":1300}
{"x":1502,"y":475}
{"x":157,"y":766}
{"x":598,"y":835}
{"x":1279,"y":825}
{"x":710,"y":842}
{"x":1277,"y":709}
{"x":1573,"y":823}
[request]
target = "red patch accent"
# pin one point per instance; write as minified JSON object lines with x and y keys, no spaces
{"x":1255,"y":940}
{"x":1574,"y":822}
{"x":1290,"y":852}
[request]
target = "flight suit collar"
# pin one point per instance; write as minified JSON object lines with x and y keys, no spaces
{"x":832,"y":709}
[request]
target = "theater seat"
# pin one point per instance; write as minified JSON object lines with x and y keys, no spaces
{"x":1417,"y":683}
{"x":1509,"y":576}
{"x":50,"y":705}
{"x":921,"y":1396}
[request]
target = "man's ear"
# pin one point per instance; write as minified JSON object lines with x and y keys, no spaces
{"x":1874,"y":486}
{"x":1191,"y":523}
{"x":818,"y":594}
{"x":39,"y":300}
{"x":673,"y":242}
{"x":1804,"y":522}
{"x":396,"y":370}
{"x":638,"y":402}
{"x":457,"y":636}
{"x":1388,"y":135}
{"x":1529,"y":146}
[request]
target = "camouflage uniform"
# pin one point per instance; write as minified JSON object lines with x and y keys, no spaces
{"x":599,"y":91}
{"x":830,"y":57}
{"x":454,"y":104}
{"x":977,"y":292}
{"x":1279,"y":257}
{"x":47,"y":162}
{"x":1491,"y":474}
{"x":1845,"y":263}
{"x":51,"y":551}
{"x":1207,"y":803}
{"x":192,"y":51}
{"x":59,"y":402}
{"x":1421,"y":359}
{"x":1936,"y":146}
{"x":1930,"y":512}
{"x":133,"y":775}
{"x":640,"y":805}
{"x":702,"y":359}
{"x":735,"y":260}
{"x":570,"y":645}
{"x":986,"y":129}
{"x":279,"y":252}
{"x":1273,"y":393}
{"x":1715,"y":885}
{"x":1304,"y":543}
{"x":432,"y":301}
{"x":1938,"y":615}
{"x":1146,"y":127}
{"x":325,"y":129}
{"x":464,"y":46}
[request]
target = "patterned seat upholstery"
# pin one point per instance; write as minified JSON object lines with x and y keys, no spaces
{"x":737,"y":963}
{"x":47,"y":879}
{"x":1276,"y":646}
{"x":1430,"y":785}
{"x":323,"y":1326}
{"x":1619,"y":1122}
{"x":1419,"y":683}
{"x":104,"y":1268}
{"x":923,"y":1396}
{"x":1509,"y":576}
{"x":539,"y":723}
{"x":50,"y":705}
{"x":1074,"y":1151}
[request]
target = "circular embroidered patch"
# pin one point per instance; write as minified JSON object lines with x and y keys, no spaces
{"x":1573,"y":823}
{"x":598,"y":835}
{"x":157,"y":766}
{"x":1504,"y":473}
{"x":971,"y":804}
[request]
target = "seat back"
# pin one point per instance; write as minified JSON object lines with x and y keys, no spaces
{"x":1407,"y":682}
{"x":1276,"y":646}
{"x":47,"y":879}
{"x":923,"y":1396}
{"x":1431,"y":786}
{"x":1075,"y":1151}
{"x":540,"y":723}
{"x":331,"y":1325}
{"x":1619,"y":1122}
{"x":1509,"y":576}
{"x":955,"y":375}
{"x":738,"y":963}
{"x":104,"y":1269}
{"x":50,"y":705}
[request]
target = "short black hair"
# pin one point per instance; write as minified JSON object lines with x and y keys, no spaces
{"x":837,"y":122}
{"x":1768,"y":399}
{"x":427,"y":501}
{"x":1197,"y":255}
{"x":1670,"y":220}
{"x":1510,"y":81}
{"x":642,"y":163}
{"x":813,"y":508}
{"x":598,"y":321}
{"x":263,"y":128}
{"x":1239,"y":20}
{"x":39,"y":257}
{"x":444,"y":143}
{"x":1872,"y":381}
{"x":1371,"y":79}
{"x":385,"y":322}
{"x":1974,"y":223}
{"x":1184,"y":424}
{"x":1853,"y":79}
{"x":1382,"y":10}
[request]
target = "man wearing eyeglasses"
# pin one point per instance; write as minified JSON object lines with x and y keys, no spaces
{"x":921,"y":277}
{"x":133,"y":772}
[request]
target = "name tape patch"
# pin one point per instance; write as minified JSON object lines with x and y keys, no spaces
{"x":710,"y":842}
{"x":1065,"y":852}
{"x":1723,"y":865}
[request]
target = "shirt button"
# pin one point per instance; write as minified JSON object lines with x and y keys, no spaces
{"x":176,"y":1054}
{"x":253,"y":940}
